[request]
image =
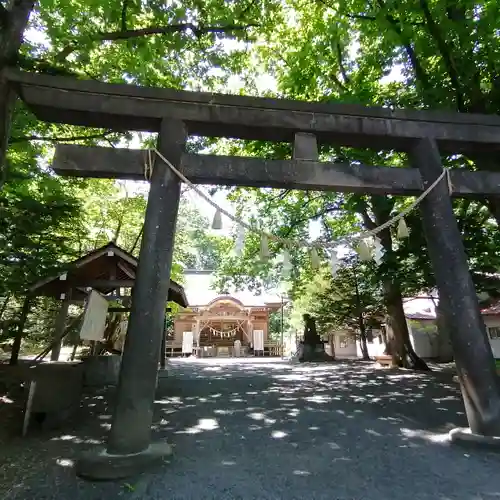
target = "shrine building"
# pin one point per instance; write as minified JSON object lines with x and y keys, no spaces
{"x":216,"y":320}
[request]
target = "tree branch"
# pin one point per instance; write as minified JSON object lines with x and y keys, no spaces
{"x":420,"y":73}
{"x":4,"y":16}
{"x":14,"y":140}
{"x":365,"y":17}
{"x":337,"y":82}
{"x":341,"y":64}
{"x":136,"y":241}
{"x":154,"y":30}
{"x":124,"y":15}
{"x":42,"y":66}
{"x":449,"y":63}
{"x":281,"y":195}
{"x":247,"y":8}
{"x":362,"y":209}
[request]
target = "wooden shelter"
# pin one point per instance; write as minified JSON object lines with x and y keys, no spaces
{"x":110,"y":270}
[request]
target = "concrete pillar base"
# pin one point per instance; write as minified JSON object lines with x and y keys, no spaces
{"x":101,"y":466}
{"x":465,"y":437}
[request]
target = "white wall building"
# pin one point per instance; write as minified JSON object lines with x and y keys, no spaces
{"x":420,"y":314}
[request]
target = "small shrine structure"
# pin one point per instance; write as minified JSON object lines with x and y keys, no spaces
{"x":219,"y":320}
{"x":110,"y":270}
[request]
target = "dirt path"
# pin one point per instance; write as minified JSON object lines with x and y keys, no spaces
{"x":271,"y":430}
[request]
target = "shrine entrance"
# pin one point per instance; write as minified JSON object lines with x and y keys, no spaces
{"x":175,"y":115}
{"x":225,"y":327}
{"x":218,"y":338}
{"x":222,"y":323}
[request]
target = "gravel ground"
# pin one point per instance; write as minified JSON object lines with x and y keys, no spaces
{"x":260,"y":429}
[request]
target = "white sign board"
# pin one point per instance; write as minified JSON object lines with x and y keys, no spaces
{"x":94,"y":319}
{"x":196,"y":332}
{"x":258,"y":340}
{"x":187,"y":342}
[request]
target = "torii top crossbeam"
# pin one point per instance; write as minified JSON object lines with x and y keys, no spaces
{"x":128,"y":107}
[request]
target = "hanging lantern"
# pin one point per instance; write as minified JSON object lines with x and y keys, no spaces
{"x":264,"y":247}
{"x":378,"y":251}
{"x":315,"y":262}
{"x":217,"y":222}
{"x":364,"y":250}
{"x":240,"y":241}
{"x":334,"y":263}
{"x":403,"y":231}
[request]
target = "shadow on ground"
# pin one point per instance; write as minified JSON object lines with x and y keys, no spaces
{"x":259,"y":429}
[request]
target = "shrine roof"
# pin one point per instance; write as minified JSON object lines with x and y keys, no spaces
{"x":493,"y":309}
{"x":104,"y":269}
{"x":198,"y":286}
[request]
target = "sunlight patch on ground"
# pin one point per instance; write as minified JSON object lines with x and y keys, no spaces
{"x":279,"y":434}
{"x":317,"y":399}
{"x":423,"y":434}
{"x":403,"y":376}
{"x":204,"y":424}
{"x":65,"y":462}
{"x":224,"y":412}
{"x":301,"y":473}
{"x":76,"y":439}
{"x":373,"y":432}
{"x":257,"y":416}
{"x":290,"y":377}
{"x":65,"y":437}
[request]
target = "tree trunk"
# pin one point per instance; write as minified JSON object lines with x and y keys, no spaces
{"x":398,"y":337}
{"x":362,"y":338}
{"x":331,"y":339}
{"x":16,"y":346}
{"x":400,"y":345}
{"x":445,"y":350}
{"x":13,"y":22}
{"x":361,"y":322}
{"x":5,"y":303}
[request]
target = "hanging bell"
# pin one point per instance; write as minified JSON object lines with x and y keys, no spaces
{"x":364,"y":251}
{"x":334,"y":263}
{"x":264,"y":248}
{"x":315,"y":262}
{"x":217,"y":222}
{"x":403,"y":231}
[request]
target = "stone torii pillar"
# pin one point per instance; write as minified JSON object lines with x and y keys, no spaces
{"x":129,"y":449}
{"x":479,"y":382}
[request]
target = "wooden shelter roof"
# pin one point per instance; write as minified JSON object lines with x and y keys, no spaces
{"x":104,"y":269}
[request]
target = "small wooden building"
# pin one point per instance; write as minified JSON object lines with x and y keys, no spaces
{"x":218,"y":320}
{"x":110,"y":270}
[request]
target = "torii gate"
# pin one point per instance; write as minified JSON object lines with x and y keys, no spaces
{"x":177,"y":114}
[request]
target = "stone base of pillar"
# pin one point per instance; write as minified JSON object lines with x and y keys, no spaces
{"x":314,"y":353}
{"x":101,"y":466}
{"x":465,"y":437}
